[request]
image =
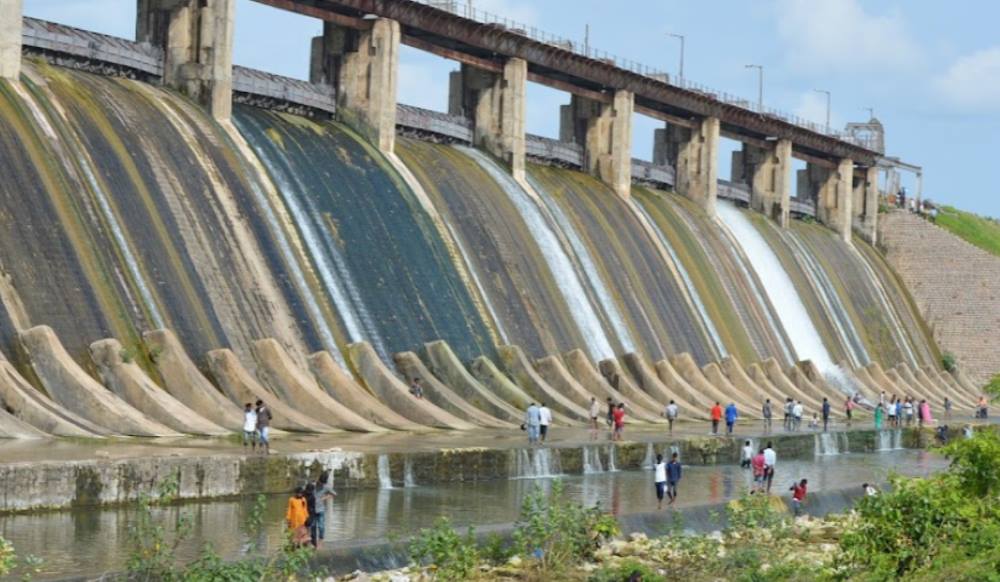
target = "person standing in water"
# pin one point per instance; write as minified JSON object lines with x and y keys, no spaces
{"x":671,"y":414}
{"x":759,"y":467}
{"x":660,"y":480}
{"x":770,"y":461}
{"x":746,"y":455}
{"x":296,"y":515}
{"x":324,"y":493}
{"x":673,"y":477}
{"x":798,"y":496}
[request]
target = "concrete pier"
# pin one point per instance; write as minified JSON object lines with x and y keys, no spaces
{"x":362,"y":66}
{"x":604,"y":130}
{"x":10,"y":39}
{"x":496,"y":104}
{"x":865,"y":204}
{"x":768,"y":173}
{"x":197,"y":39}
{"x":693,"y":153}
{"x":832,"y":188}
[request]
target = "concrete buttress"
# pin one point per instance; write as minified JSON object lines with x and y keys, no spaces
{"x":768,"y":173}
{"x":865,"y":204}
{"x":604,"y":130}
{"x":694,"y":154}
{"x":832,"y":188}
{"x":10,"y":39}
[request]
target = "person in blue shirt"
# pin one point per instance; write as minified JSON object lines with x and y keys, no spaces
{"x":533,"y":422}
{"x":673,"y":477}
{"x":731,"y":416}
{"x":826,"y":414}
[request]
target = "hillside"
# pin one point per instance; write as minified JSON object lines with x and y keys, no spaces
{"x":978,"y":230}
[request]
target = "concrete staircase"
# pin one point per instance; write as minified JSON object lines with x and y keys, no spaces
{"x":956,"y":286}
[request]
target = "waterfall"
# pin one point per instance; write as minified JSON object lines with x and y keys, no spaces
{"x":592,"y":461}
{"x":408,"y":479}
{"x":675,"y":450}
{"x":778,"y":286}
{"x":650,"y":457}
{"x":566,"y":276}
{"x":890,"y":440}
{"x":384,"y":477}
{"x":830,"y":443}
{"x":612,"y":454}
{"x":536,"y":463}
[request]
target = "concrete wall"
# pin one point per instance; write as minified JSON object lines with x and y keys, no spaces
{"x":604,"y":130}
{"x":955,"y":285}
{"x":10,"y":39}
{"x":833,"y":190}
{"x":694,"y":154}
{"x":768,"y":173}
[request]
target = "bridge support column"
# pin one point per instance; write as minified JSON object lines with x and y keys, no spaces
{"x":767,"y":172}
{"x":865,"y":204}
{"x":197,"y":38}
{"x":11,"y":22}
{"x":694,"y":155}
{"x":496,"y":104}
{"x":832,"y":189}
{"x":605,"y":132}
{"x":362,"y":66}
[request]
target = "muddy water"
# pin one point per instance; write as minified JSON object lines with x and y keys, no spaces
{"x":89,"y":542}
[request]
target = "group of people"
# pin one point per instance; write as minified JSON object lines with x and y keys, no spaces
{"x":762,"y":464}
{"x":731,"y":414}
{"x":256,"y":426}
{"x":537,"y":420}
{"x":899,"y":412}
{"x":306,"y":512}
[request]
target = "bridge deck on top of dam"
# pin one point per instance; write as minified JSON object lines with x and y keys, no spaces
{"x":484,"y":45}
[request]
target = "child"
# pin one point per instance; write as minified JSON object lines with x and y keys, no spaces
{"x":249,"y":426}
{"x":814,"y":423}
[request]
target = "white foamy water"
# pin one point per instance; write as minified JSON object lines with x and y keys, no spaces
{"x":566,"y":277}
{"x":902,"y":338}
{"x":779,"y":287}
{"x":537,"y":463}
{"x":830,"y":443}
{"x":592,"y":461}
{"x":384,"y":478}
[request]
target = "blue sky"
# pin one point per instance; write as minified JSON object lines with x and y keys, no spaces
{"x":930,"y":69}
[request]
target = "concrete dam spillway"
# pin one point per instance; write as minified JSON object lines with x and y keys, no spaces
{"x":126,"y":208}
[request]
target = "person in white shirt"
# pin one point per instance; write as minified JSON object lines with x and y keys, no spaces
{"x":595,"y":412}
{"x":249,"y":426}
{"x":545,"y":419}
{"x":660,"y":479}
{"x":671,"y":414}
{"x":870,"y":490}
{"x":770,"y":458}
{"x":797,"y":412}
{"x":746,"y":455}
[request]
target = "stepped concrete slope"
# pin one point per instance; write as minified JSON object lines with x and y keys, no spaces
{"x":801,"y":381}
{"x":241,"y":387}
{"x":185,"y":382}
{"x":781,"y":381}
{"x":756,"y":373}
{"x":130,"y":382}
{"x":914,"y":387}
{"x":28,"y":404}
{"x":12,"y":427}
{"x":819,"y":381}
{"x":870,"y":389}
{"x":883,"y":380}
{"x":618,"y":379}
{"x":580,"y":367}
{"x":954,"y":285}
{"x":411,"y":367}
{"x":69,"y":385}
{"x":445,"y":365}
{"x":489,"y":375}
{"x":527,"y":378}
{"x":974,"y":389}
{"x":391,"y":390}
{"x":676,"y":383}
{"x":736,"y":375}
{"x":748,"y":404}
{"x":899,"y":382}
{"x":298,"y":389}
{"x":645,"y":378}
{"x":959,"y":398}
{"x":555,"y":374}
{"x":933,"y":388}
{"x":341,"y":386}
{"x":688,"y":369}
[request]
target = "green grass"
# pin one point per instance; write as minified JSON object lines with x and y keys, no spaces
{"x":980,"y":231}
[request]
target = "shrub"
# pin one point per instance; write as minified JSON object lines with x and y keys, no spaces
{"x":454,"y":557}
{"x":949,"y":362}
{"x":976,"y":463}
{"x":556,"y":532}
{"x":627,"y":571}
{"x":993,"y":387}
{"x":757,"y":511}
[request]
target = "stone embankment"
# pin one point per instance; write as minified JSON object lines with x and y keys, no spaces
{"x":956,"y":287}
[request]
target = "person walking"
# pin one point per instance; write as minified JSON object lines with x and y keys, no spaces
{"x":595,"y":413}
{"x":731,"y":416}
{"x":264,"y":418}
{"x":770,"y":461}
{"x":925,"y":413}
{"x":532,"y":422}
{"x":324,"y":494}
{"x":746,"y":455}
{"x":890,"y":412}
{"x":673,"y":477}
{"x":660,"y":480}
{"x":849,"y":410}
{"x":296,"y":515}
{"x":619,"y":418}
{"x":826,"y":414}
{"x":797,"y":411}
{"x":767,"y":413}
{"x":312,"y":524}
{"x":878,"y":416}
{"x":908,"y":411}
{"x":716,"y":417}
{"x":798,"y":496}
{"x":249,"y":427}
{"x":758,"y":467}
{"x":671,"y":413}
{"x":947,"y":408}
{"x":544,"y":420}
{"x":788,"y":414}
{"x":416,"y":388}
{"x":610,"y":419}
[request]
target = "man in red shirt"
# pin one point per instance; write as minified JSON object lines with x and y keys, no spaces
{"x":716,"y":417}
{"x":798,"y":496}
{"x":619,"y":418}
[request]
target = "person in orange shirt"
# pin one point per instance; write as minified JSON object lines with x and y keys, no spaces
{"x":716,"y":417}
{"x":296,"y":516}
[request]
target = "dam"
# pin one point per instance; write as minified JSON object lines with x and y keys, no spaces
{"x":181,"y":236}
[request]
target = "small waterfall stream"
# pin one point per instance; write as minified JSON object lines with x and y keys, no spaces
{"x":592,"y":461}
{"x":408,"y":479}
{"x":831,"y":443}
{"x":889,"y":440}
{"x":384,"y":476}
{"x":536,"y":463}
{"x":650,"y":458}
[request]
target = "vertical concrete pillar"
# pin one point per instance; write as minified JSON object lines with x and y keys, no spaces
{"x":865,"y":204}
{"x":197,"y":38}
{"x":605,"y":132}
{"x":766,"y":172}
{"x":362,"y":66}
{"x":11,"y":22}
{"x":693,"y":153}
{"x":496,"y":104}
{"x":833,"y":188}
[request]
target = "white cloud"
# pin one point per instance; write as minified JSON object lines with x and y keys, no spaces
{"x":972,"y":82}
{"x":838,"y":35}
{"x":812,"y":107}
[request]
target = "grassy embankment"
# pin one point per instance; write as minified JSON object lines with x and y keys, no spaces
{"x":983,"y":232}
